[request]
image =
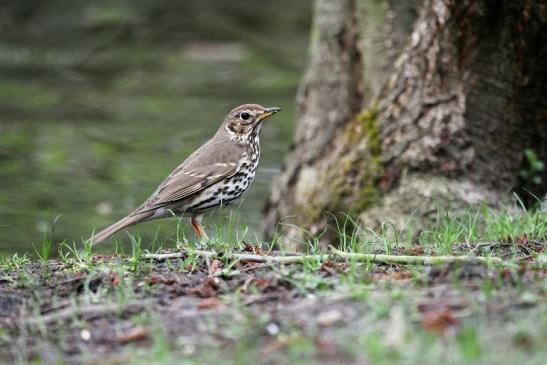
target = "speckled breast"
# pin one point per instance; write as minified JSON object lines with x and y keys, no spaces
{"x":229,"y":190}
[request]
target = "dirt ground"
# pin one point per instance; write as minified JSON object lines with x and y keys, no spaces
{"x":117,"y":310}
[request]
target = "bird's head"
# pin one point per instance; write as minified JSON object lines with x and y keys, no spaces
{"x":246,"y":120}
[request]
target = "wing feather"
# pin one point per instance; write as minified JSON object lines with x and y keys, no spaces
{"x":183,"y":183}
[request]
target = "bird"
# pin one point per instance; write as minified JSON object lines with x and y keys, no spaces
{"x":216,"y":174}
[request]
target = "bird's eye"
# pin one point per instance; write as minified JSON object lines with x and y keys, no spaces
{"x":245,"y":116}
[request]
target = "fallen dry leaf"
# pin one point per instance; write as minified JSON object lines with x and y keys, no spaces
{"x":209,"y":303}
{"x":263,"y":283}
{"x":115,"y":279}
{"x":160,"y":279}
{"x":253,"y":249}
{"x":522,"y":240}
{"x":206,"y":290}
{"x":326,"y":347}
{"x":438,"y":321}
{"x":402,"y":275}
{"x":506,"y":273}
{"x":331,"y":267}
{"x":135,"y":334}
{"x":216,"y":266}
{"x":417,"y":251}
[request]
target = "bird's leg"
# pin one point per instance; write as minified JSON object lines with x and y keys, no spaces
{"x":198,"y":228}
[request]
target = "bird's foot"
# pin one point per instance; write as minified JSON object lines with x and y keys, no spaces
{"x":200,"y":232}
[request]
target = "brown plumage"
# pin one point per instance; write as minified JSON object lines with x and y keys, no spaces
{"x":216,"y":174}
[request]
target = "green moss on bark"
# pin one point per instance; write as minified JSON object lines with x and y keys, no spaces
{"x":354,"y":188}
{"x":351,"y":173}
{"x":371,"y":168}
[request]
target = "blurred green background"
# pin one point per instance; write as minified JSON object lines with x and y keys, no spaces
{"x":100,"y":100}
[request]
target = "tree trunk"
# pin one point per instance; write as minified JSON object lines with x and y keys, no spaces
{"x":398,"y":116}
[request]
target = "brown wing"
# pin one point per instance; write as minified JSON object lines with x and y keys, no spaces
{"x":206,"y":166}
{"x":183,"y":183}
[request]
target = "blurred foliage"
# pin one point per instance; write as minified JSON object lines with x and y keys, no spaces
{"x":99,"y":100}
{"x":535,"y":167}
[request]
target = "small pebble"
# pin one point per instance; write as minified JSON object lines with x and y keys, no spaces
{"x":85,"y":334}
{"x":272,"y":328}
{"x":329,"y":318}
{"x":189,"y":349}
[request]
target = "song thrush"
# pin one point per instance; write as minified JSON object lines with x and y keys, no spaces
{"x":216,"y":174}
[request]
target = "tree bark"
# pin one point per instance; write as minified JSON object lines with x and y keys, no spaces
{"x":401,"y":112}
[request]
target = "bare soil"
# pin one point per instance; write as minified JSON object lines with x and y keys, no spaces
{"x":194,"y":310}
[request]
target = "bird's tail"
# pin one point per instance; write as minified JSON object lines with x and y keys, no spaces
{"x":119,"y":225}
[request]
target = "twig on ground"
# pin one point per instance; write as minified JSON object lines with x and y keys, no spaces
{"x":419,"y":260}
{"x":336,"y":255}
{"x":239,"y":256}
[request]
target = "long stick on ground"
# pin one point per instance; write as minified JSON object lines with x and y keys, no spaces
{"x":292,"y":259}
{"x":419,"y":260}
{"x":338,"y":255}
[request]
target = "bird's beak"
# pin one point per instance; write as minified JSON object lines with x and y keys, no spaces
{"x":268,"y":112}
